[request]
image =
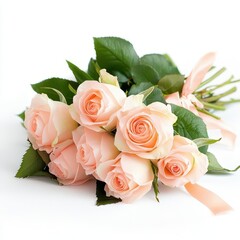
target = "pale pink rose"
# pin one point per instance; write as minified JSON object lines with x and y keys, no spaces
{"x":185,"y":163}
{"x":128,"y":177}
{"x":93,"y":148}
{"x":65,"y":166}
{"x":48,"y":123}
{"x":95,"y":105}
{"x":146,"y":131}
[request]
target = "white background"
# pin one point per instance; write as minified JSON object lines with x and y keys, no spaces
{"x":36,"y":37}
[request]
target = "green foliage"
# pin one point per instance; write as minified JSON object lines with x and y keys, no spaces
{"x":138,"y":88}
{"x":200,"y":142}
{"x":215,"y":167}
{"x":155,"y":96}
{"x":144,"y":73}
{"x":79,"y":74}
{"x":169,"y":59}
{"x":44,"y":173}
{"x":31,"y":164}
{"x":59,"y":84}
{"x":60,"y":95}
{"x":147,"y":92}
{"x":160,"y":64}
{"x":115,"y":54}
{"x":22,"y":115}
{"x":121,"y":77}
{"x":171,"y":83}
{"x":93,"y":69}
{"x":102,"y":199}
{"x":189,"y":125}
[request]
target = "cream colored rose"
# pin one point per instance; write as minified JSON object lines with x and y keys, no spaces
{"x":48,"y":123}
{"x":105,"y":77}
{"x":185,"y":163}
{"x":95,"y":105}
{"x":128,"y":177}
{"x":146,"y":131}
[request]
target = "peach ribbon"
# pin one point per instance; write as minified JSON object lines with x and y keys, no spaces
{"x":209,"y":199}
{"x":198,"y":73}
{"x":186,"y":99}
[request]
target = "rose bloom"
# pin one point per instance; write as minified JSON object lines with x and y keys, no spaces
{"x":128,"y":177}
{"x":185,"y":163}
{"x":95,"y":105}
{"x":93,"y":148}
{"x":48,"y":123}
{"x":146,"y":131}
{"x":65,"y":166}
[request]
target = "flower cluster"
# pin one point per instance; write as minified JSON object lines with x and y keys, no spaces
{"x":143,"y":134}
{"x":118,"y":127}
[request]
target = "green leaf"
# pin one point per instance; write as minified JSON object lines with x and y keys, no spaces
{"x":115,"y":54}
{"x":138,"y":88}
{"x":155,"y":180}
{"x":144,"y":73}
{"x":155,"y":96}
{"x":189,"y":125}
{"x":93,"y":69}
{"x":147,"y":92}
{"x":215,"y":167}
{"x":171,"y":83}
{"x":169,"y":60}
{"x":160,"y":64}
{"x":22,"y":115}
{"x":44,"y":174}
{"x":60,"y":95}
{"x":79,"y":74}
{"x":102,"y":199}
{"x":31,"y":164}
{"x":121,"y":77}
{"x":200,"y":142}
{"x":74,"y":91}
{"x":60,"y":84}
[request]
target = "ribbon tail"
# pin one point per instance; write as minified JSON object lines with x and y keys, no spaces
{"x":209,"y":199}
{"x":228,"y":135}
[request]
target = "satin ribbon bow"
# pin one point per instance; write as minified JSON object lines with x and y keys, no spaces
{"x":190,"y":102}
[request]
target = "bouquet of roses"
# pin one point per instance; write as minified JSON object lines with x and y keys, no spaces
{"x":128,"y":122}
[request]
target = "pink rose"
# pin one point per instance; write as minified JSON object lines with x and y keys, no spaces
{"x":128,"y":177}
{"x":146,"y":131}
{"x":64,"y":165}
{"x":93,"y":148}
{"x":48,"y":123}
{"x":95,"y":105}
{"x":183,"y":164}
